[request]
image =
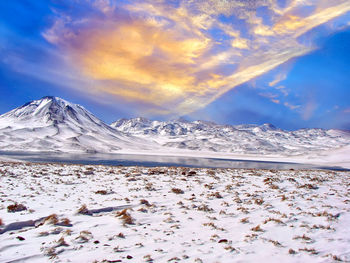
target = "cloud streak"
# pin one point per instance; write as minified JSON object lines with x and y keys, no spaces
{"x":180,"y":57}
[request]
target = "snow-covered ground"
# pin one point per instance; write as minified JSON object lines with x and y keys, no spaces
{"x":167,"y":214}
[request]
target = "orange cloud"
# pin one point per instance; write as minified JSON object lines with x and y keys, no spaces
{"x":240,"y":43}
{"x":165,"y":55}
{"x":155,"y":63}
{"x":289,"y":24}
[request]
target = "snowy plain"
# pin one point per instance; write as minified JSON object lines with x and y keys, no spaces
{"x":93,"y":213}
{"x":88,"y":213}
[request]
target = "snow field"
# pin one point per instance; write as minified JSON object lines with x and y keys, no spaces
{"x":76,"y":213}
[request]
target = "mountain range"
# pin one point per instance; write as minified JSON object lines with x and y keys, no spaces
{"x":56,"y":125}
{"x":52,"y":124}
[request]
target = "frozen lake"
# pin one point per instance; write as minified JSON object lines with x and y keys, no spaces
{"x":155,"y":160}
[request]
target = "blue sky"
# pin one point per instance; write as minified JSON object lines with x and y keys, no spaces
{"x":280,"y":62}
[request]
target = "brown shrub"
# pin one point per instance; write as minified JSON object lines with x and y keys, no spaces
{"x":145,"y":202}
{"x":276,"y":220}
{"x":257,"y":229}
{"x":274,"y":186}
{"x":211,"y":172}
{"x":126,"y":217}
{"x":121,"y":213}
{"x":245,"y":220}
{"x":205,"y":208}
{"x":336,"y":258}
{"x":65,"y":222}
{"x":292,"y":251}
{"x":62,"y":243}
{"x":259,"y":201}
{"x":149,"y":187}
{"x":309,"y":186}
{"x":304,"y":237}
{"x":83,"y":210}
{"x":191,"y":173}
{"x":177,"y":191}
{"x":101,"y":192}
{"x":51,"y":219}
{"x":218,"y":195}
{"x":310,"y":250}
{"x":121,"y":235}
{"x":16,"y":208}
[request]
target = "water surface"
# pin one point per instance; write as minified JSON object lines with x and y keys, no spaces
{"x":154,"y":161}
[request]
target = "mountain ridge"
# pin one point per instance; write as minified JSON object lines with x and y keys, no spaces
{"x":243,"y":139}
{"x":54,"y":124}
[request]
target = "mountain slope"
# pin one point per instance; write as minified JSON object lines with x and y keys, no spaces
{"x":53,"y":124}
{"x":240,"y":139}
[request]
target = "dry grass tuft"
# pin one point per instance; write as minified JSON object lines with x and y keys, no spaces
{"x":84,"y":236}
{"x":276,"y":220}
{"x":336,"y":258}
{"x":123,"y":212}
{"x":259,"y":201}
{"x":148,"y":258}
{"x":303,"y":237}
{"x":177,"y":190}
{"x":191,"y":173}
{"x":275,"y":243}
{"x":16,"y":208}
{"x":149,"y":187}
{"x":62,"y":243}
{"x":101,"y":192}
{"x":50,"y":252}
{"x":309,"y":186}
{"x":292,"y":251}
{"x":145,"y":202}
{"x":217,"y":195}
{"x":257,"y":229}
{"x":83,"y":210}
{"x":65,"y":222}
{"x":51,"y":219}
{"x":126,"y":217}
{"x":310,"y":250}
{"x":205,"y":208}
{"x":245,"y":220}
{"x":121,"y":235}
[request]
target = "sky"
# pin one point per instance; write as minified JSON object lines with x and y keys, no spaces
{"x":285,"y":62}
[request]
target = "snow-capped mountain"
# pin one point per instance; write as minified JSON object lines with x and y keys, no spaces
{"x":53,"y":124}
{"x":241,"y":139}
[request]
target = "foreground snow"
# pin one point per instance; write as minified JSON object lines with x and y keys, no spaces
{"x":172,"y":214}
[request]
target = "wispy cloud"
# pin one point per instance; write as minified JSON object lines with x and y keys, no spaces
{"x":291,"y":106}
{"x":179,"y":57}
{"x":278,"y":78}
{"x":347,"y":110}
